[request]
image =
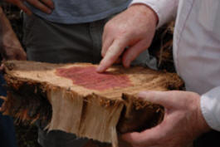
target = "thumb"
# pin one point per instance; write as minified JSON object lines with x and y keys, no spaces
{"x":157,"y":97}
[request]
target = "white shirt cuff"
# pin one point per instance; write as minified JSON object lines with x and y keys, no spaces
{"x":165,"y":9}
{"x":210,"y":107}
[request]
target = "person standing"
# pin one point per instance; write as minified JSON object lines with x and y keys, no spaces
{"x":190,"y":115}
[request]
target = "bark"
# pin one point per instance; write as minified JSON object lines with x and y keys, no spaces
{"x":37,"y":91}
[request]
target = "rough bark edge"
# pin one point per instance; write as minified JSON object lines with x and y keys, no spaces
{"x":138,"y":115}
{"x":22,"y":94}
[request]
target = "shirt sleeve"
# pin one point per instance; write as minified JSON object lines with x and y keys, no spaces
{"x":210,"y":107}
{"x":166,"y":10}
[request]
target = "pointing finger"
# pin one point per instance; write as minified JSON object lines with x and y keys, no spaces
{"x":112,"y":54}
{"x":106,"y":44}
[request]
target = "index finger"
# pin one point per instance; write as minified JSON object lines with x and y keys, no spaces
{"x":112,"y":54}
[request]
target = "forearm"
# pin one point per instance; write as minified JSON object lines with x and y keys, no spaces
{"x":166,"y":10}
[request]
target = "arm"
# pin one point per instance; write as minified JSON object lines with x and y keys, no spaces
{"x":183,"y":121}
{"x":134,"y":28}
{"x":43,"y":5}
{"x":10,"y":47}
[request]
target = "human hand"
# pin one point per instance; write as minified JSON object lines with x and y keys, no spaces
{"x":182,"y":123}
{"x":10,"y":47}
{"x":134,"y":28}
{"x":43,"y":5}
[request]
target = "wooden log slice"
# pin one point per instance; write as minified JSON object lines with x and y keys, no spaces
{"x":76,"y":99}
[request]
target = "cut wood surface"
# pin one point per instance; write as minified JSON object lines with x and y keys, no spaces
{"x":76,"y":99}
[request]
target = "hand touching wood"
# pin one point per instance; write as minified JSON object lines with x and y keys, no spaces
{"x":183,"y":121}
{"x":10,"y":47}
{"x":132,"y":29}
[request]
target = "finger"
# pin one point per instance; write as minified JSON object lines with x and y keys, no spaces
{"x":106,"y":44}
{"x":147,"y":138}
{"x":158,"y":97}
{"x":22,"y":6}
{"x":112,"y":54}
{"x":49,"y":3}
{"x":107,"y":40}
{"x":40,"y":6}
{"x":133,"y":52}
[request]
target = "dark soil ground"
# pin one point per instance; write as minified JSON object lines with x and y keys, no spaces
{"x":161,"y":48}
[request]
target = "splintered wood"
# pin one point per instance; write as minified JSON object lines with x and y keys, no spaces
{"x":75,"y":98}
